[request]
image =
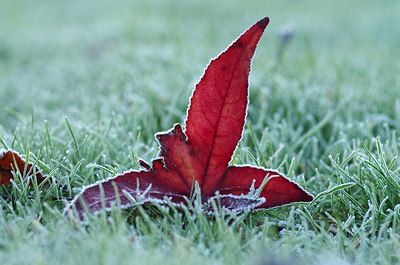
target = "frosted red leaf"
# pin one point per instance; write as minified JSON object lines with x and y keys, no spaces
{"x":201,"y":153}
{"x":10,"y":162}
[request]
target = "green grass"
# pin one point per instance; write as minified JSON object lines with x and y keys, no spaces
{"x":84,"y":85}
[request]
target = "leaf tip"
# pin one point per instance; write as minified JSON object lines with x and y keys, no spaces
{"x":308,"y":197}
{"x":143,"y":164}
{"x":263,"y":22}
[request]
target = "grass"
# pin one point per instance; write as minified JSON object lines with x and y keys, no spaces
{"x":84,"y":87}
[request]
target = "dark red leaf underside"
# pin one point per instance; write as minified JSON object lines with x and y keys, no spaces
{"x":141,"y":187}
{"x":214,"y":126}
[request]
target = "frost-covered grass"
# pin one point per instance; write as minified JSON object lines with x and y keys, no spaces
{"x":84,"y":85}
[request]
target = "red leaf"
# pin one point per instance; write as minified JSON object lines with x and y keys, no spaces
{"x":218,"y":107}
{"x":10,"y":161}
{"x":214,"y":126}
{"x":278,"y":190}
{"x":105,"y":194}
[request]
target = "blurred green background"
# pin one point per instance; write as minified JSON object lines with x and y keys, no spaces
{"x":83,"y":59}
